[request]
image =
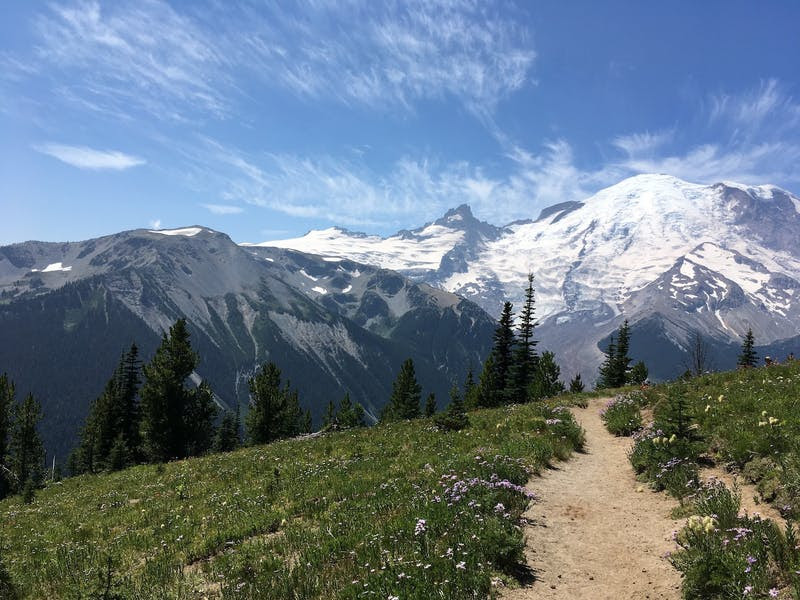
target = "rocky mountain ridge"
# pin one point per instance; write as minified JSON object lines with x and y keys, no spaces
{"x":653,"y":248}
{"x":68,"y":310}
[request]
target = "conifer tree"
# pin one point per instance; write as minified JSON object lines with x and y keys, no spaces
{"x":350,"y":415}
{"x":227,"y":437}
{"x":294,"y":416}
{"x":606,"y":377}
{"x":546,"y":382}
{"x":676,"y":418}
{"x":119,"y":455}
{"x":487,"y":394}
{"x":26,"y":449}
{"x":503,"y":354}
{"x":748,"y":357}
{"x":130,"y":417}
{"x":470,"y":390}
{"x":345,"y":415}
{"x":576,"y":384}
{"x":525,"y":357}
{"x":619,"y":371}
{"x":113,"y":419}
{"x":639,"y":373}
{"x":7,"y":393}
{"x":430,"y":405}
{"x":165,"y":398}
{"x":201,"y":412}
{"x":330,"y":415}
{"x":275,"y":411}
{"x":359,"y":418}
{"x":406,"y":395}
{"x":104,"y":423}
{"x":454,"y":418}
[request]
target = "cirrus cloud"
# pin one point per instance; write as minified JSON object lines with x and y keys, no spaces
{"x":83,"y":157}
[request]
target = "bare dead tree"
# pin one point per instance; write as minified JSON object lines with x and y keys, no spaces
{"x":698,"y":355}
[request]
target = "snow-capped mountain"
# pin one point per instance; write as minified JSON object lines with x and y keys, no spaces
{"x":716,"y":258}
{"x":67,"y":311}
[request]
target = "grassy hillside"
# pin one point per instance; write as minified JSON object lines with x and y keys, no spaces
{"x":750,"y":422}
{"x":395,"y":511}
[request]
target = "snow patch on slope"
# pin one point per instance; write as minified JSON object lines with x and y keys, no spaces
{"x":52,"y":267}
{"x":187,"y":231}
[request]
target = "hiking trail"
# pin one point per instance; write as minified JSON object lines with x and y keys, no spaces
{"x":595,"y":532}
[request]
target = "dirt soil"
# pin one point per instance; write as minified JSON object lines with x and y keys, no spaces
{"x":596,"y":532}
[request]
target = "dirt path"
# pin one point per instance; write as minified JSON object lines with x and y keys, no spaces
{"x":596,"y":533}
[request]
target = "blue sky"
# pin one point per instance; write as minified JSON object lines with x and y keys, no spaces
{"x":266,"y":119}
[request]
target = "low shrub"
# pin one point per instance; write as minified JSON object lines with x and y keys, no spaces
{"x":724,"y":555}
{"x":621,"y":415}
{"x":661,"y":461}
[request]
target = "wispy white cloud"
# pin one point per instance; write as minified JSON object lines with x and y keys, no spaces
{"x":155,"y":224}
{"x":187,"y":64}
{"x":133,"y":56}
{"x":398,"y":52}
{"x":89,"y":158}
{"x":752,"y":109}
{"x":760,"y":163}
{"x":344,"y":191}
{"x":641,"y":143}
{"x":223,"y":209}
{"x":751,"y":136}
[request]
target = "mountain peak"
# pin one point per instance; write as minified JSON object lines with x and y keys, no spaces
{"x":463,"y":211}
{"x":462,"y":219}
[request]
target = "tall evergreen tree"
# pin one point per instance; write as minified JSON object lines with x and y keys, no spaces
{"x":165,"y":398}
{"x":525,"y":357}
{"x":105,"y":420}
{"x":406,"y":395}
{"x":576,"y":384}
{"x":350,"y":415}
{"x":227,"y":437}
{"x":294,"y":416}
{"x":606,"y":378}
{"x":7,"y":393}
{"x":619,"y":371}
{"x":345,"y":414}
{"x":113,"y":420}
{"x":26,"y":449}
{"x":275,"y":411}
{"x":487,"y":394}
{"x":503,"y":353}
{"x":546,"y":382}
{"x":201,"y":412}
{"x":119,"y":455}
{"x":748,"y":356}
{"x":470,"y":390}
{"x":330,"y":415}
{"x":130,"y":416}
{"x":430,"y":405}
{"x":359,"y":418}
